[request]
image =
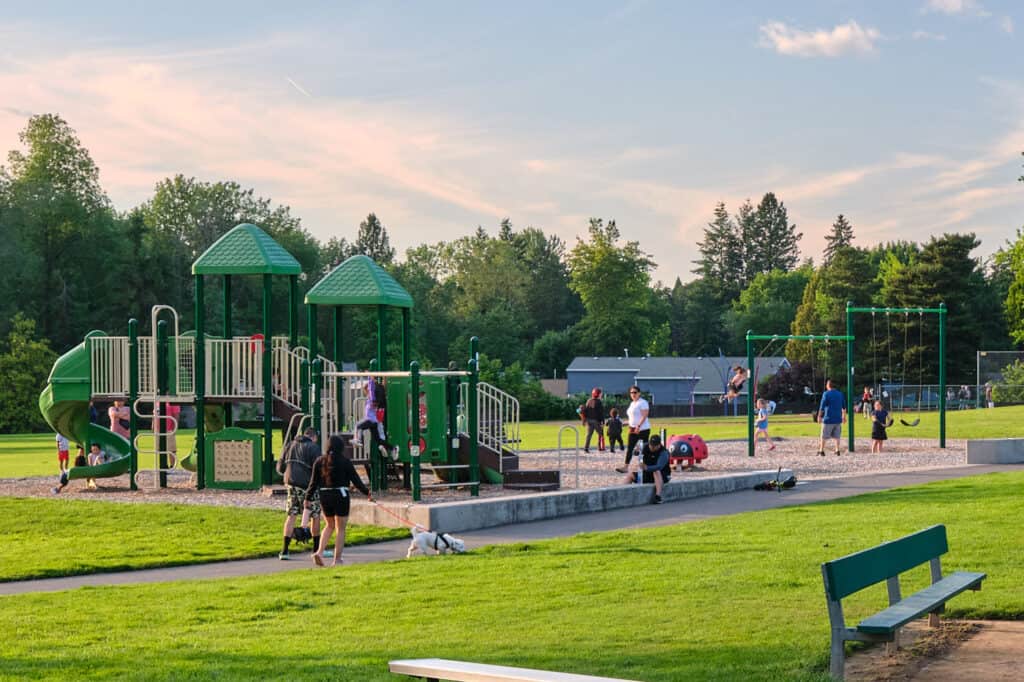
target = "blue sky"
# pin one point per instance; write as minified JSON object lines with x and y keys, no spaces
{"x":907,"y":117}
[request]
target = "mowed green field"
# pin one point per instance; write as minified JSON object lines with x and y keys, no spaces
{"x":36,"y":455}
{"x":49,"y":538}
{"x":737,"y":597}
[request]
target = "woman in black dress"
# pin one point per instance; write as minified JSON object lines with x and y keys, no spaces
{"x":333,"y":474}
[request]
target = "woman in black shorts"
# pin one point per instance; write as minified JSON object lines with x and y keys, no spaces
{"x":333,"y":474}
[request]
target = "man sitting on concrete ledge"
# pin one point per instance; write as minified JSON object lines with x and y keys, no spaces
{"x":653,"y":465}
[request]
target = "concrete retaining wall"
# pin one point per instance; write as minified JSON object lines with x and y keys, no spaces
{"x":474,"y":513}
{"x":995,"y":451}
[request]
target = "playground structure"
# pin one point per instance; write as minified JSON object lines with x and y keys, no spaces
{"x":940,"y":312}
{"x":773,"y":338}
{"x":849,"y":338}
{"x":459,"y":417}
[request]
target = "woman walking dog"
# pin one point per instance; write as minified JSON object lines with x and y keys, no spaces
{"x":333,"y":474}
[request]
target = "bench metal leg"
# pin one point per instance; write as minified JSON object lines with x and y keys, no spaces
{"x":933,"y":620}
{"x":837,"y":659}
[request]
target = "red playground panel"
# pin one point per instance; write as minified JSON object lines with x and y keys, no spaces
{"x":688,"y":447}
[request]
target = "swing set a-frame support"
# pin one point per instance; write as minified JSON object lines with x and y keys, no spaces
{"x":851,"y":310}
{"x":752,"y":391}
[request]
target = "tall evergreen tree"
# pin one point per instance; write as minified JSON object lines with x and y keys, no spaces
{"x":721,"y":255}
{"x":373,"y":241}
{"x":840,"y":236}
{"x":774,"y":242}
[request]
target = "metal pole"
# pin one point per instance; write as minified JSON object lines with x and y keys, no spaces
{"x":382,"y":362}
{"x":316,"y":368}
{"x":977,"y":379}
{"x":229,"y":333}
{"x":942,"y":375}
{"x":750,"y":392}
{"x":293,"y":311}
{"x":199,"y":369}
{"x":268,"y":385}
{"x":849,"y":375}
{"x":472,"y":418}
{"x":133,"y":395}
{"x":337,"y":355}
{"x":161,"y":389}
{"x":414,"y":389}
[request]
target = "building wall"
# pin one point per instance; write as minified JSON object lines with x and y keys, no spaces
{"x":582,"y":381}
{"x":668,"y":391}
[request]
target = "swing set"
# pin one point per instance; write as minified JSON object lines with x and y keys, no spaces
{"x":772,"y":340}
{"x":941,"y":312}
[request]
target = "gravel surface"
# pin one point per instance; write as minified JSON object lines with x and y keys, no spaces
{"x":596,"y":470}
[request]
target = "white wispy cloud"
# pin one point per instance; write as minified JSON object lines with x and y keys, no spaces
{"x":848,"y":38}
{"x":927,"y":35}
{"x":1006,"y":25}
{"x":955,"y":7}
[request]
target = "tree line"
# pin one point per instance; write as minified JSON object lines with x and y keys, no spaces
{"x":72,"y":262}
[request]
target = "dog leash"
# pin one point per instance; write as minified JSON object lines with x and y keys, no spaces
{"x":391,"y":513}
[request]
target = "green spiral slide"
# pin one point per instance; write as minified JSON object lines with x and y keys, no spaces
{"x":64,"y":403}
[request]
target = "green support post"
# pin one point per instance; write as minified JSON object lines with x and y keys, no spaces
{"x":414,"y":389}
{"x":337,"y":355}
{"x":317,"y":371}
{"x":472,"y":417}
{"x":133,"y":395}
{"x":161,"y":389}
{"x":268,"y":385}
{"x":304,"y":399}
{"x":200,"y":385}
{"x":942,"y":375}
{"x":229,"y":333}
{"x":452,"y":384}
{"x":849,"y":376}
{"x":311,"y":330}
{"x":750,"y":395}
{"x":406,"y":336}
{"x":381,"y":332}
{"x":293,"y":311}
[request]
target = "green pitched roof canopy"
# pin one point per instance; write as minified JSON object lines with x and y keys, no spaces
{"x":359,"y":281}
{"x":246,"y":250}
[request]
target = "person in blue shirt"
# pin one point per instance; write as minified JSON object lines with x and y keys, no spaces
{"x":831,"y":416}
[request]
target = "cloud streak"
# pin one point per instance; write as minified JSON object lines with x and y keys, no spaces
{"x":843,"y":39}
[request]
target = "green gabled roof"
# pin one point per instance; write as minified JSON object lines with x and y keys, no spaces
{"x":246,"y":250}
{"x":359,"y":281}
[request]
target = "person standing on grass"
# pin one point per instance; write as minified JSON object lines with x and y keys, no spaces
{"x":989,"y":402}
{"x":880,"y":421}
{"x":296,"y":466}
{"x":593,"y":417}
{"x":614,"y":430}
{"x":831,"y":416}
{"x":639,"y":424}
{"x":865,"y":401}
{"x":761,"y":425}
{"x":333,"y":475}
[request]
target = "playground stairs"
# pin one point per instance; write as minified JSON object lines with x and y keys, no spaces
{"x":503,"y":467}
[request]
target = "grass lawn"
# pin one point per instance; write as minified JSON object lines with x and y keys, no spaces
{"x":1001,"y":422}
{"x":35,"y":454}
{"x":731,"y":598}
{"x":46,"y":538}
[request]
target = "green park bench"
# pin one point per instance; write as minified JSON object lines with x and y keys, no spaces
{"x":854,"y":572}
{"x":434,"y":669}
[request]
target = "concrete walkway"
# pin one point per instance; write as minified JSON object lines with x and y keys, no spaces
{"x":636,"y":517}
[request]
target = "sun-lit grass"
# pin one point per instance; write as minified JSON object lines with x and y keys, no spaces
{"x":731,"y":598}
{"x":35,"y":454}
{"x":46,"y":538}
{"x":1001,"y":422}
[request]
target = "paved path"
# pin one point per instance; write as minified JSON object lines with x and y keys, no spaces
{"x":635,"y":517}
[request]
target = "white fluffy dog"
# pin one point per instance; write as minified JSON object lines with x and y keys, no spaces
{"x":424,"y":540}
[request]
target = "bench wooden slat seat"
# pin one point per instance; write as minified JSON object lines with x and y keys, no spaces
{"x":918,"y":604}
{"x":854,"y":572}
{"x":464,"y":671}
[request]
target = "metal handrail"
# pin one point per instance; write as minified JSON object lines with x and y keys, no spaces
{"x":576,"y":432}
